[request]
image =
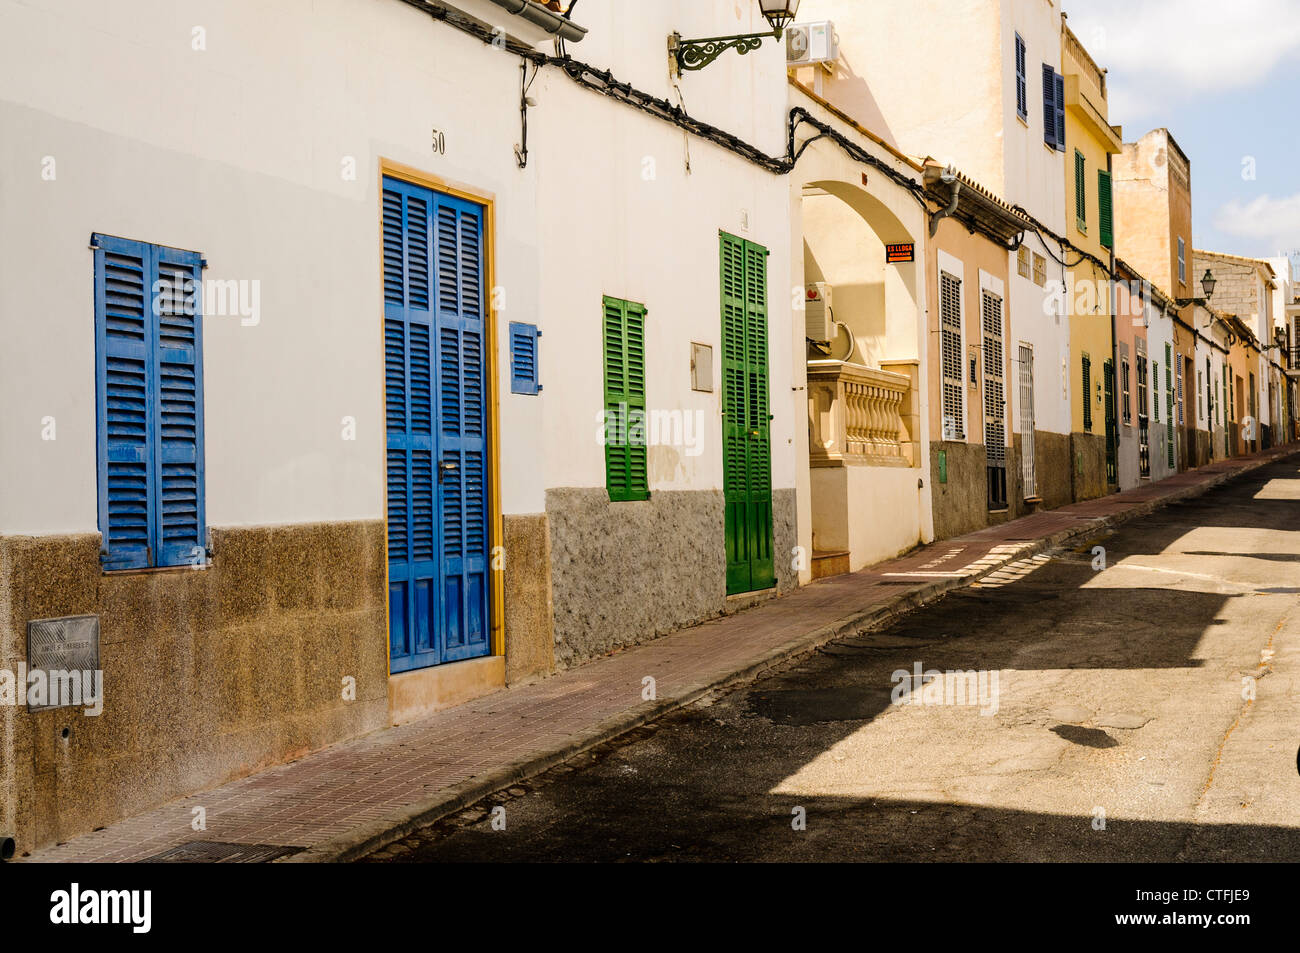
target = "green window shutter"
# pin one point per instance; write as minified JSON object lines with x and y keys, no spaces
{"x":1087,"y":393}
{"x":1105,"y":210}
{"x":626,"y":475}
{"x":1080,"y":191}
{"x":1155,"y":389}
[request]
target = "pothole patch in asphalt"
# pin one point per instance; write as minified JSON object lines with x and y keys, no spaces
{"x":1087,"y":737}
{"x":799,"y":706}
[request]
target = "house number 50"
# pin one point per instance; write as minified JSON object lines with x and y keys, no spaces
{"x":439,"y":142}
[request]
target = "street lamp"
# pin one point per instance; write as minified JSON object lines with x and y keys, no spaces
{"x":697,"y":54}
{"x":1207,"y":283}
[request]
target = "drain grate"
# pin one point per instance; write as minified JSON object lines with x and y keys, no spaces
{"x":221,"y":852}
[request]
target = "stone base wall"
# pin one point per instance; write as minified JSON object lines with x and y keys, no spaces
{"x":1053,"y":469}
{"x":530,"y":640}
{"x":209,"y":674}
{"x":623,"y":573}
{"x":1089,"y":458}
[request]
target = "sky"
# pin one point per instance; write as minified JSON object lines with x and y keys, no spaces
{"x":1224,"y":77}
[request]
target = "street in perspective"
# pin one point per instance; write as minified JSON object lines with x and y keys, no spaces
{"x":1132,"y":698}
{"x":608,"y":434}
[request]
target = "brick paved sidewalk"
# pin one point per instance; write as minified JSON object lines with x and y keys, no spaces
{"x":356,"y":796}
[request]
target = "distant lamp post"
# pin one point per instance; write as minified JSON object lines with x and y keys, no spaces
{"x":697,"y":54}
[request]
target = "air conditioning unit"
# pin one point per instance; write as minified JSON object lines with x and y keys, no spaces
{"x":809,"y":43}
{"x":819,"y":323}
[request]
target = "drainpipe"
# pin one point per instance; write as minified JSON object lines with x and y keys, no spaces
{"x":950,"y":177}
{"x":1114,"y":342}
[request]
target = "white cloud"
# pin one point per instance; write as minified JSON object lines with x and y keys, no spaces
{"x":1273,"y":223}
{"x":1162,"y":51}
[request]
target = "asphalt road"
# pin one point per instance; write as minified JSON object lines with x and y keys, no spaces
{"x":1146,"y":711}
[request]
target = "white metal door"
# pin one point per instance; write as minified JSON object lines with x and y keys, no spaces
{"x":1027,"y":471}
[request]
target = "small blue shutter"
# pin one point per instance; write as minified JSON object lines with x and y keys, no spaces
{"x":149,"y":384}
{"x":1059,"y":81}
{"x":524,"y":373}
{"x":1049,"y":105}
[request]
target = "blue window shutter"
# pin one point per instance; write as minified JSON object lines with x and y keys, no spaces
{"x":125,"y":418}
{"x":1059,"y":81}
{"x":524,"y":372}
{"x":1049,"y":105}
{"x":179,"y":408}
{"x":149,"y":389}
{"x":1022,"y":80}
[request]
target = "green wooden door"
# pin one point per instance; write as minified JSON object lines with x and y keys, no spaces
{"x":1112,"y":428}
{"x":746,"y":419}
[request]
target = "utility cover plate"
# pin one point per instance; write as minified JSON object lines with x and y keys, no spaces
{"x":68,"y":644}
{"x":222,"y":852}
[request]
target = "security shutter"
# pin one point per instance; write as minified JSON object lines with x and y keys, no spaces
{"x":954,"y":391}
{"x":995,"y":414}
{"x":149,"y":382}
{"x":995,"y":432}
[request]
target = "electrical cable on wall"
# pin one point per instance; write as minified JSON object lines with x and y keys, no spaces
{"x":604,"y":82}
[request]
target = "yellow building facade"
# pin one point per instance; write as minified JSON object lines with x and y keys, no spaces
{"x":1090,"y":141}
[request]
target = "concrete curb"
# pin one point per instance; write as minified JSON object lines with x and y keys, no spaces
{"x":367,"y":838}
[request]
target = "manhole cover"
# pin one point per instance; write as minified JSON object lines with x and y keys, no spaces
{"x":220,"y":852}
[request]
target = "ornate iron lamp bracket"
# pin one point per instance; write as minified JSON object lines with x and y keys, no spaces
{"x":697,"y":54}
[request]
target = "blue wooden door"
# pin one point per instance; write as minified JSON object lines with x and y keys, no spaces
{"x":434,"y":302}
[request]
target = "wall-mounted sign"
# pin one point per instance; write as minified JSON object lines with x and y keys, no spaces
{"x":900,"y":253}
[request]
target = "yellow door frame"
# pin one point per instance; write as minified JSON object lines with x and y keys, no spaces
{"x":496,"y":541}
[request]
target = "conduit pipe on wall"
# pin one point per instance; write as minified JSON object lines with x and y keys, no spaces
{"x":554,"y":23}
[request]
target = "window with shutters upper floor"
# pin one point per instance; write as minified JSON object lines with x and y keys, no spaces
{"x":1080,"y":191}
{"x":1022,"y":80}
{"x":1053,"y":108}
{"x":149,"y":404}
{"x":1105,"y":210}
